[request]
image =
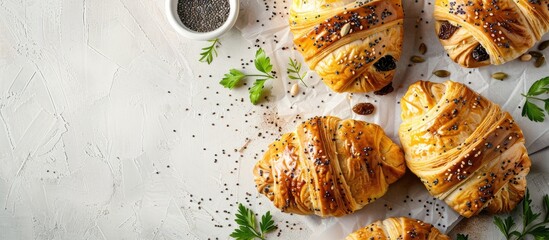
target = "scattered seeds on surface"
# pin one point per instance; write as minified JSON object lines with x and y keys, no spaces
{"x":535,"y":54}
{"x":295,"y":90}
{"x":441,"y":73}
{"x":499,"y":76}
{"x":417,"y":59}
{"x":543,"y":45}
{"x":539,"y":61}
{"x":526,"y":57}
{"x":422,"y":48}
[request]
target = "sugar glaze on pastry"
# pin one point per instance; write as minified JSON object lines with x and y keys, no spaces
{"x":352,"y":45}
{"x":464,"y":148}
{"x":329,"y":167}
{"x":480,"y":32}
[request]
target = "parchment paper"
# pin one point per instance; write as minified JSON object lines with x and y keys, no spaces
{"x":265,"y":24}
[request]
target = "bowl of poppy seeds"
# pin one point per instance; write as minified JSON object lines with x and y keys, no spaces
{"x":202,"y":19}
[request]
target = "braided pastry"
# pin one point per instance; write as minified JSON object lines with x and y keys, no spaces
{"x":464,"y":148}
{"x":329,"y":167}
{"x":352,"y":45}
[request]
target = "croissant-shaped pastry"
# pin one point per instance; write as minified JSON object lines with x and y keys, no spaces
{"x":398,"y":228}
{"x":329,"y":167}
{"x":352,"y":45}
{"x":464,"y":148}
{"x":477,"y":33}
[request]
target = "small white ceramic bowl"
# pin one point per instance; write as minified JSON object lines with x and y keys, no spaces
{"x":175,"y":21}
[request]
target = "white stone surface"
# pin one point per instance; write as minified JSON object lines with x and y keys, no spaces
{"x":87,"y":122}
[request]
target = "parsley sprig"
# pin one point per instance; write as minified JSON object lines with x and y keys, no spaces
{"x":462,"y":237}
{"x":209,"y":51}
{"x":294,"y":71}
{"x":538,"y":230}
{"x":531,"y":110}
{"x":263,"y":64}
{"x":247,"y":229}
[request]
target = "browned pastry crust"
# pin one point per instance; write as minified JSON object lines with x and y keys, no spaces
{"x":398,"y":228}
{"x":464,"y":148}
{"x":504,"y":28}
{"x":329,"y":167}
{"x":361,"y":59}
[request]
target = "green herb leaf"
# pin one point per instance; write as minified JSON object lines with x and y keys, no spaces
{"x":294,"y":69}
{"x":245,"y":218}
{"x":209,"y":52}
{"x":509,"y":223}
{"x":247,"y":230}
{"x":539,"y":87}
{"x":514,"y":233}
{"x":527,"y":215}
{"x":257,"y":90}
{"x":232,"y":78}
{"x":262,"y":62}
{"x":267,"y":224}
{"x":546,"y":103}
{"x":533,"y":112}
{"x":540,"y":232}
{"x":462,"y":237}
{"x":501,"y":226}
{"x":243,"y":233}
{"x":536,"y":229}
{"x":504,"y":226}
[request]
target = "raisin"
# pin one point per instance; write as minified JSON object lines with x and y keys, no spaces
{"x":480,"y":54}
{"x":447,"y":30}
{"x":385,"y":90}
{"x":363,"y":108}
{"x":386,"y":63}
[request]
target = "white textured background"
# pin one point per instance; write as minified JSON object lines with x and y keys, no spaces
{"x":97,"y":99}
{"x":111,"y":129}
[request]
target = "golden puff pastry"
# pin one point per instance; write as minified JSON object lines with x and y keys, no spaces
{"x":398,"y":228}
{"x":352,"y":45}
{"x":329,"y":167}
{"x":477,"y":33}
{"x":464,"y":148}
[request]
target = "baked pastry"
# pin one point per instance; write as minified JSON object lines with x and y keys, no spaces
{"x":477,"y":33}
{"x":329,"y":167}
{"x":464,"y":148}
{"x":398,"y":228}
{"x":352,"y":45}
